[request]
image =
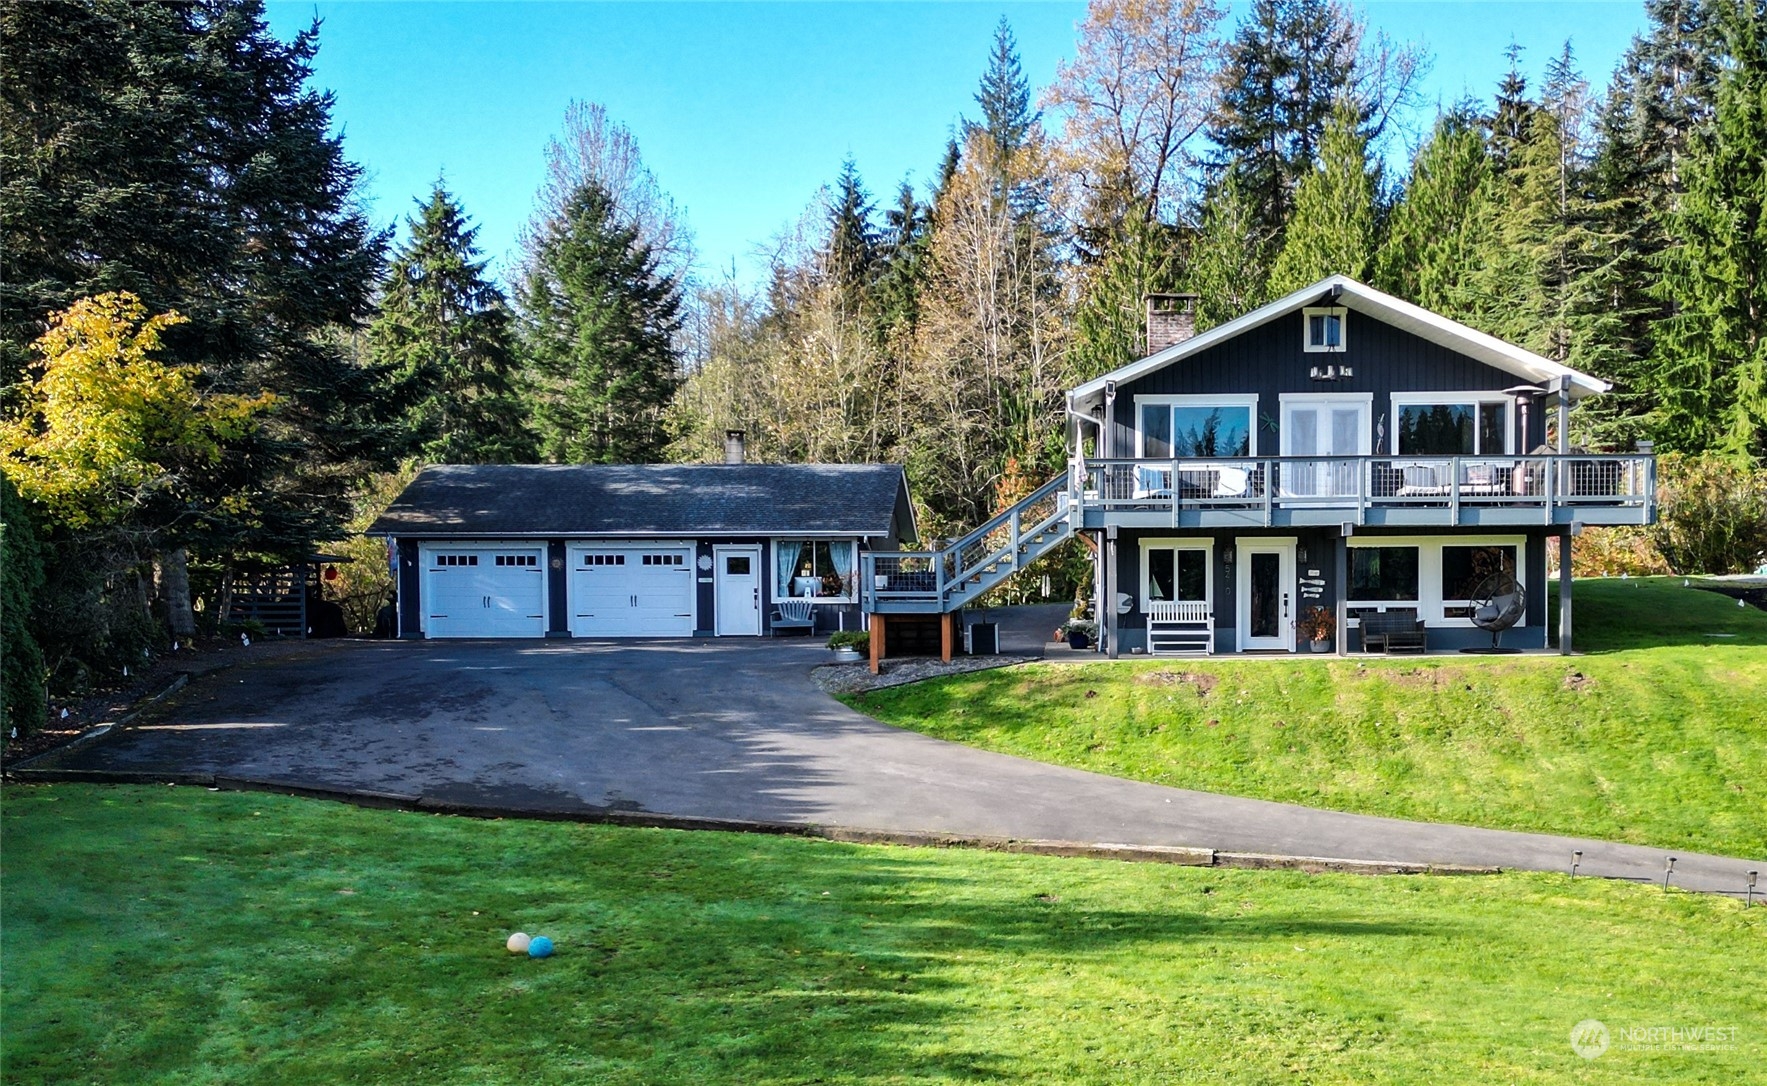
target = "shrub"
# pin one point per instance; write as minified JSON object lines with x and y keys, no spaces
{"x":21,"y":577}
{"x":1613,"y":552}
{"x":857,"y":640}
{"x":1711,"y":514}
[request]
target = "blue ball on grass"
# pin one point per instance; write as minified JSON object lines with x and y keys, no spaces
{"x":540,"y":947}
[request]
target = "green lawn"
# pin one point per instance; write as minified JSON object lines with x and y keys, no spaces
{"x":166,"y":935}
{"x":1657,"y":736}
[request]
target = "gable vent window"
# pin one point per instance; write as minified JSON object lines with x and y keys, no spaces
{"x":1325,"y":329}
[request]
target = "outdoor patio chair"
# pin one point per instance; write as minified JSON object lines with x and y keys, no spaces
{"x":795,"y":615}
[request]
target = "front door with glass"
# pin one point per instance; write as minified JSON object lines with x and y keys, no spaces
{"x":1266,"y":591}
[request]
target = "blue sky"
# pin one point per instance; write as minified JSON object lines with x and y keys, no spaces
{"x":743,"y":110}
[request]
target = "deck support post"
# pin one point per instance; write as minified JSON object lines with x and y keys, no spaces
{"x":947,"y":634}
{"x":1343,"y":588}
{"x":1564,"y":589}
{"x":878,"y":623}
{"x":1110,"y":589}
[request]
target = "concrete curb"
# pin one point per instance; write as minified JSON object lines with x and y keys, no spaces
{"x":99,"y":730}
{"x":1097,"y":850}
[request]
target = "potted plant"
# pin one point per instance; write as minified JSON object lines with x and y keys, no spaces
{"x":849,"y":645}
{"x":1079,"y":632}
{"x":1319,"y":625}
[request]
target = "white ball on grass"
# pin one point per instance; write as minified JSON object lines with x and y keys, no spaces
{"x":518,"y":943}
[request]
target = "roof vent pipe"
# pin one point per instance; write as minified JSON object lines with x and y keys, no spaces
{"x":734,"y":447}
{"x":1171,"y":319}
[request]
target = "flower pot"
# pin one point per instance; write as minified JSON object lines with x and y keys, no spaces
{"x":846,"y":655}
{"x":1078,"y":640}
{"x":1320,"y":646}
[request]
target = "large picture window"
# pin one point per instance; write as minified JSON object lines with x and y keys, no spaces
{"x":813,"y":569}
{"x":1382,"y":574}
{"x":1438,"y":576}
{"x":1473,"y":427}
{"x":1178,"y":427}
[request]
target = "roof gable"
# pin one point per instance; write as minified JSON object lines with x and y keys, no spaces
{"x":505,"y":500}
{"x":1363,"y":299}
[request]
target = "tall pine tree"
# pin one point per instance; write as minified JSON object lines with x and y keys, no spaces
{"x":1711,"y":359}
{"x":598,"y":322}
{"x":1332,"y":231}
{"x":1437,"y":228}
{"x":444,"y":334}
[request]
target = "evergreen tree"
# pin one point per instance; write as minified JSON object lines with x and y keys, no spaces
{"x":598,"y":323}
{"x":1439,"y":226}
{"x":1230,"y":262}
{"x":176,"y":151}
{"x":852,"y":253}
{"x":1005,"y":97}
{"x":1664,"y":89}
{"x":21,"y":579}
{"x":1290,"y":61}
{"x":903,"y":259}
{"x":1711,"y":359}
{"x":444,"y":333}
{"x":1333,"y":228}
{"x":1110,"y":319}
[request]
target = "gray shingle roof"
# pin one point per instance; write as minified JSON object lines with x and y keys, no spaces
{"x":501,"y":500}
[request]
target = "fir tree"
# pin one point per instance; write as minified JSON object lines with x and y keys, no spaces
{"x":1290,"y":61}
{"x":1333,"y":228}
{"x":444,"y":334}
{"x":1230,"y":261}
{"x":177,"y":152}
{"x":1711,"y":361}
{"x":1109,"y":321}
{"x":1440,"y":224}
{"x":852,"y":253}
{"x":1005,"y":96}
{"x":598,"y":323}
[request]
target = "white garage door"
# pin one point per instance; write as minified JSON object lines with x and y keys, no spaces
{"x":632,"y":591}
{"x":484,"y":592}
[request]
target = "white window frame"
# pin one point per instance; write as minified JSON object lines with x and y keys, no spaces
{"x":1364,"y":400}
{"x":1338,"y":311}
{"x":1206,"y":544}
{"x":851,"y":576}
{"x":1430,"y":604}
{"x":1452,"y":399}
{"x":1249,"y":401}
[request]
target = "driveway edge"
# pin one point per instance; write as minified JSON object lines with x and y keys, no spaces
{"x":1098,"y":850}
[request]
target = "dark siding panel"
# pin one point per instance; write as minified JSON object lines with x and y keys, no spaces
{"x":1271,"y":360}
{"x":557,"y":575}
{"x":410,"y":606}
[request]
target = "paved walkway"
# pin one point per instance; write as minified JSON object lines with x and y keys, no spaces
{"x":730,"y":730}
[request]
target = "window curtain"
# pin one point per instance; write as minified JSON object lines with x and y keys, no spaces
{"x":786,"y":555}
{"x":840,"y":553}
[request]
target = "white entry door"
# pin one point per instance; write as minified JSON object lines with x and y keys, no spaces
{"x":737,"y":580}
{"x":484,"y":591}
{"x":1266,"y":607}
{"x":1323,"y":427}
{"x":632,"y":591}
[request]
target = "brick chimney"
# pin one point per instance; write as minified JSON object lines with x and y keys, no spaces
{"x":735,"y":449}
{"x":1171,"y":318}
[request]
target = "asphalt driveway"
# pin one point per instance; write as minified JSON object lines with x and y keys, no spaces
{"x":729,"y":730}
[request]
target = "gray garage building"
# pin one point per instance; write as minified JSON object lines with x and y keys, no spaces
{"x":638,"y":550}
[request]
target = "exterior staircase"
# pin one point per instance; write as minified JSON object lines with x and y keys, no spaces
{"x":943,"y":581}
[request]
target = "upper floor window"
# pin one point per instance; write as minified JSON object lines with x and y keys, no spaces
{"x":1195,"y":426}
{"x":1325,"y":328}
{"x":1450,"y":425}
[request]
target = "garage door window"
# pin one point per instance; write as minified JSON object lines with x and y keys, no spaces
{"x":518,"y":559}
{"x":604,"y":559}
{"x":457,"y":560}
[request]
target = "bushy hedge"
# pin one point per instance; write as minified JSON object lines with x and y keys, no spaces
{"x":21,"y":578}
{"x":1711,"y":514}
